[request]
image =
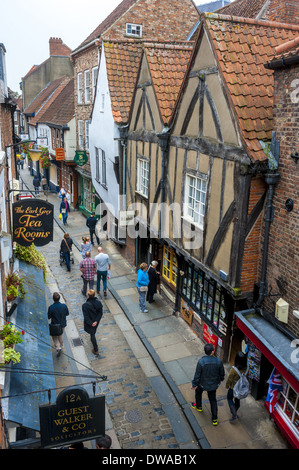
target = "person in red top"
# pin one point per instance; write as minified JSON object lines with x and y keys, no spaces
{"x":88,"y":268}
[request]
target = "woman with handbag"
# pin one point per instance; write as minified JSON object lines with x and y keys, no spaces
{"x":66,"y":249}
{"x":64,"y":210}
{"x":57,"y":313}
{"x":142,"y":285}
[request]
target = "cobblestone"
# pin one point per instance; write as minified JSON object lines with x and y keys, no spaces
{"x":127,"y":389}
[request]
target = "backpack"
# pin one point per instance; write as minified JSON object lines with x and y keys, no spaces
{"x":241,"y":388}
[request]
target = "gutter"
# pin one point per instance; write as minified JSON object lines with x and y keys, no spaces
{"x":76,"y":51}
{"x":282,"y":63}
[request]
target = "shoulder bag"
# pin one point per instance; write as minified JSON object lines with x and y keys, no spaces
{"x":71,"y":253}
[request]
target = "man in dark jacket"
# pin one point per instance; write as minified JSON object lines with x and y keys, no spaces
{"x":91,"y":223}
{"x":208,"y":375}
{"x":92,"y":311}
{"x":36,"y":184}
{"x":57,"y":313}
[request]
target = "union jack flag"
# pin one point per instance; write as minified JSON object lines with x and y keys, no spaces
{"x":275,"y":386}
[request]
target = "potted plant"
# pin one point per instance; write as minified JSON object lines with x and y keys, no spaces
{"x":14,"y":286}
{"x":44,"y":158}
{"x":10,"y":336}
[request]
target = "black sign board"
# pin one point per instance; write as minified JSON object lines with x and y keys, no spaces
{"x":32,"y":222}
{"x":75,"y":417}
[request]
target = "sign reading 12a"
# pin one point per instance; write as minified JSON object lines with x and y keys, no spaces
{"x":73,"y":418}
{"x":32,"y":222}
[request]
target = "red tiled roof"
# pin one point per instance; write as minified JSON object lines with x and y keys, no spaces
{"x":244,"y":8}
{"x":243,"y":46}
{"x":108,"y":22}
{"x":168,"y":64}
{"x":288,"y":49}
{"x":122,"y":62}
{"x":62,"y":109}
{"x":45,"y":98}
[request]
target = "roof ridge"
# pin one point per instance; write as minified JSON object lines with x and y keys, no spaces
{"x":240,"y":19}
{"x":285,"y":47}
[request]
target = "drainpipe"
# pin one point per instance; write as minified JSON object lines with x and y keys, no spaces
{"x":272,"y":180}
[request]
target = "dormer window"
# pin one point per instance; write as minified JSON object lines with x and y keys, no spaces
{"x":134,"y":30}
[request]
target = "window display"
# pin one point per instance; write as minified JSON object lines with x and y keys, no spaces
{"x":205,"y":296}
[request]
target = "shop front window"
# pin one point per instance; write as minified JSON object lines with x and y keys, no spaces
{"x":288,"y":404}
{"x":205,"y":296}
{"x":169,"y":266}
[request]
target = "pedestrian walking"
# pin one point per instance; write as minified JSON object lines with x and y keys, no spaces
{"x":85,"y":246}
{"x":62,"y":193}
{"x":103,"y":442}
{"x":208,"y":375}
{"x":240,"y":364}
{"x":57,"y":313}
{"x":88,"y":268}
{"x":92,"y":312}
{"x":103,"y":264}
{"x":142,"y":285}
{"x":66,"y":249}
{"x":36,"y":184}
{"x":154,"y":278}
{"x":64,"y":210}
{"x":44,"y":183}
{"x":91,"y":223}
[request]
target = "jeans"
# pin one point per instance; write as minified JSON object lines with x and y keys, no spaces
{"x":94,"y":341}
{"x":101,"y":275}
{"x":212,"y":399}
{"x":86,"y":282}
{"x":231,"y":400}
{"x":66,"y":256}
{"x":64,"y":218}
{"x":92,"y":233}
{"x":141,"y":299}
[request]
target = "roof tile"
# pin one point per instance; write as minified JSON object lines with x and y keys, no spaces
{"x":243,"y":47}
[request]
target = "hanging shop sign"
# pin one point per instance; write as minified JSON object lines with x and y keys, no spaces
{"x":74,"y":417}
{"x":32,"y":222}
{"x":60,"y":154}
{"x":80,"y":157}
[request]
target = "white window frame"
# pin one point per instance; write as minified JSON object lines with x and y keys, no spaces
{"x":94,"y":77}
{"x":80,"y":135}
{"x":87,"y":124}
{"x":143,"y":169}
{"x":80,"y":88}
{"x":102,"y":103}
{"x":195,"y":199}
{"x":87,"y":86}
{"x":101,"y":166}
{"x":134,"y":30}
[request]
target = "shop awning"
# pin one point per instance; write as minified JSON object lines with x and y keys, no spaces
{"x":22,"y":406}
{"x":272,"y":343}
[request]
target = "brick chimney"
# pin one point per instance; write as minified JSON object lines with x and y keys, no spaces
{"x":284,"y":11}
{"x":58,"y":48}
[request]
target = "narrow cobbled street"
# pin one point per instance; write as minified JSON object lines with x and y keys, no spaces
{"x":138,"y":418}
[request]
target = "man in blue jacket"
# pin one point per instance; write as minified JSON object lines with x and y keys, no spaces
{"x":208,"y":375}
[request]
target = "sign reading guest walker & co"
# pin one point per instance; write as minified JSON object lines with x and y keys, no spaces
{"x":75,"y":417}
{"x":32,"y":222}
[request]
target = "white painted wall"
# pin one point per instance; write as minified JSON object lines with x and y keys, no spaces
{"x":70,"y":141}
{"x":103,"y":131}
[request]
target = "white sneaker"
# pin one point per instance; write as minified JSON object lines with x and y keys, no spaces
{"x":145,"y":311}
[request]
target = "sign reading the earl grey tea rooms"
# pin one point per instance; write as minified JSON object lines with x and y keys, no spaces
{"x":33,"y":222}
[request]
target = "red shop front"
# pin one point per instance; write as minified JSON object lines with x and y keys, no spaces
{"x":281,"y":352}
